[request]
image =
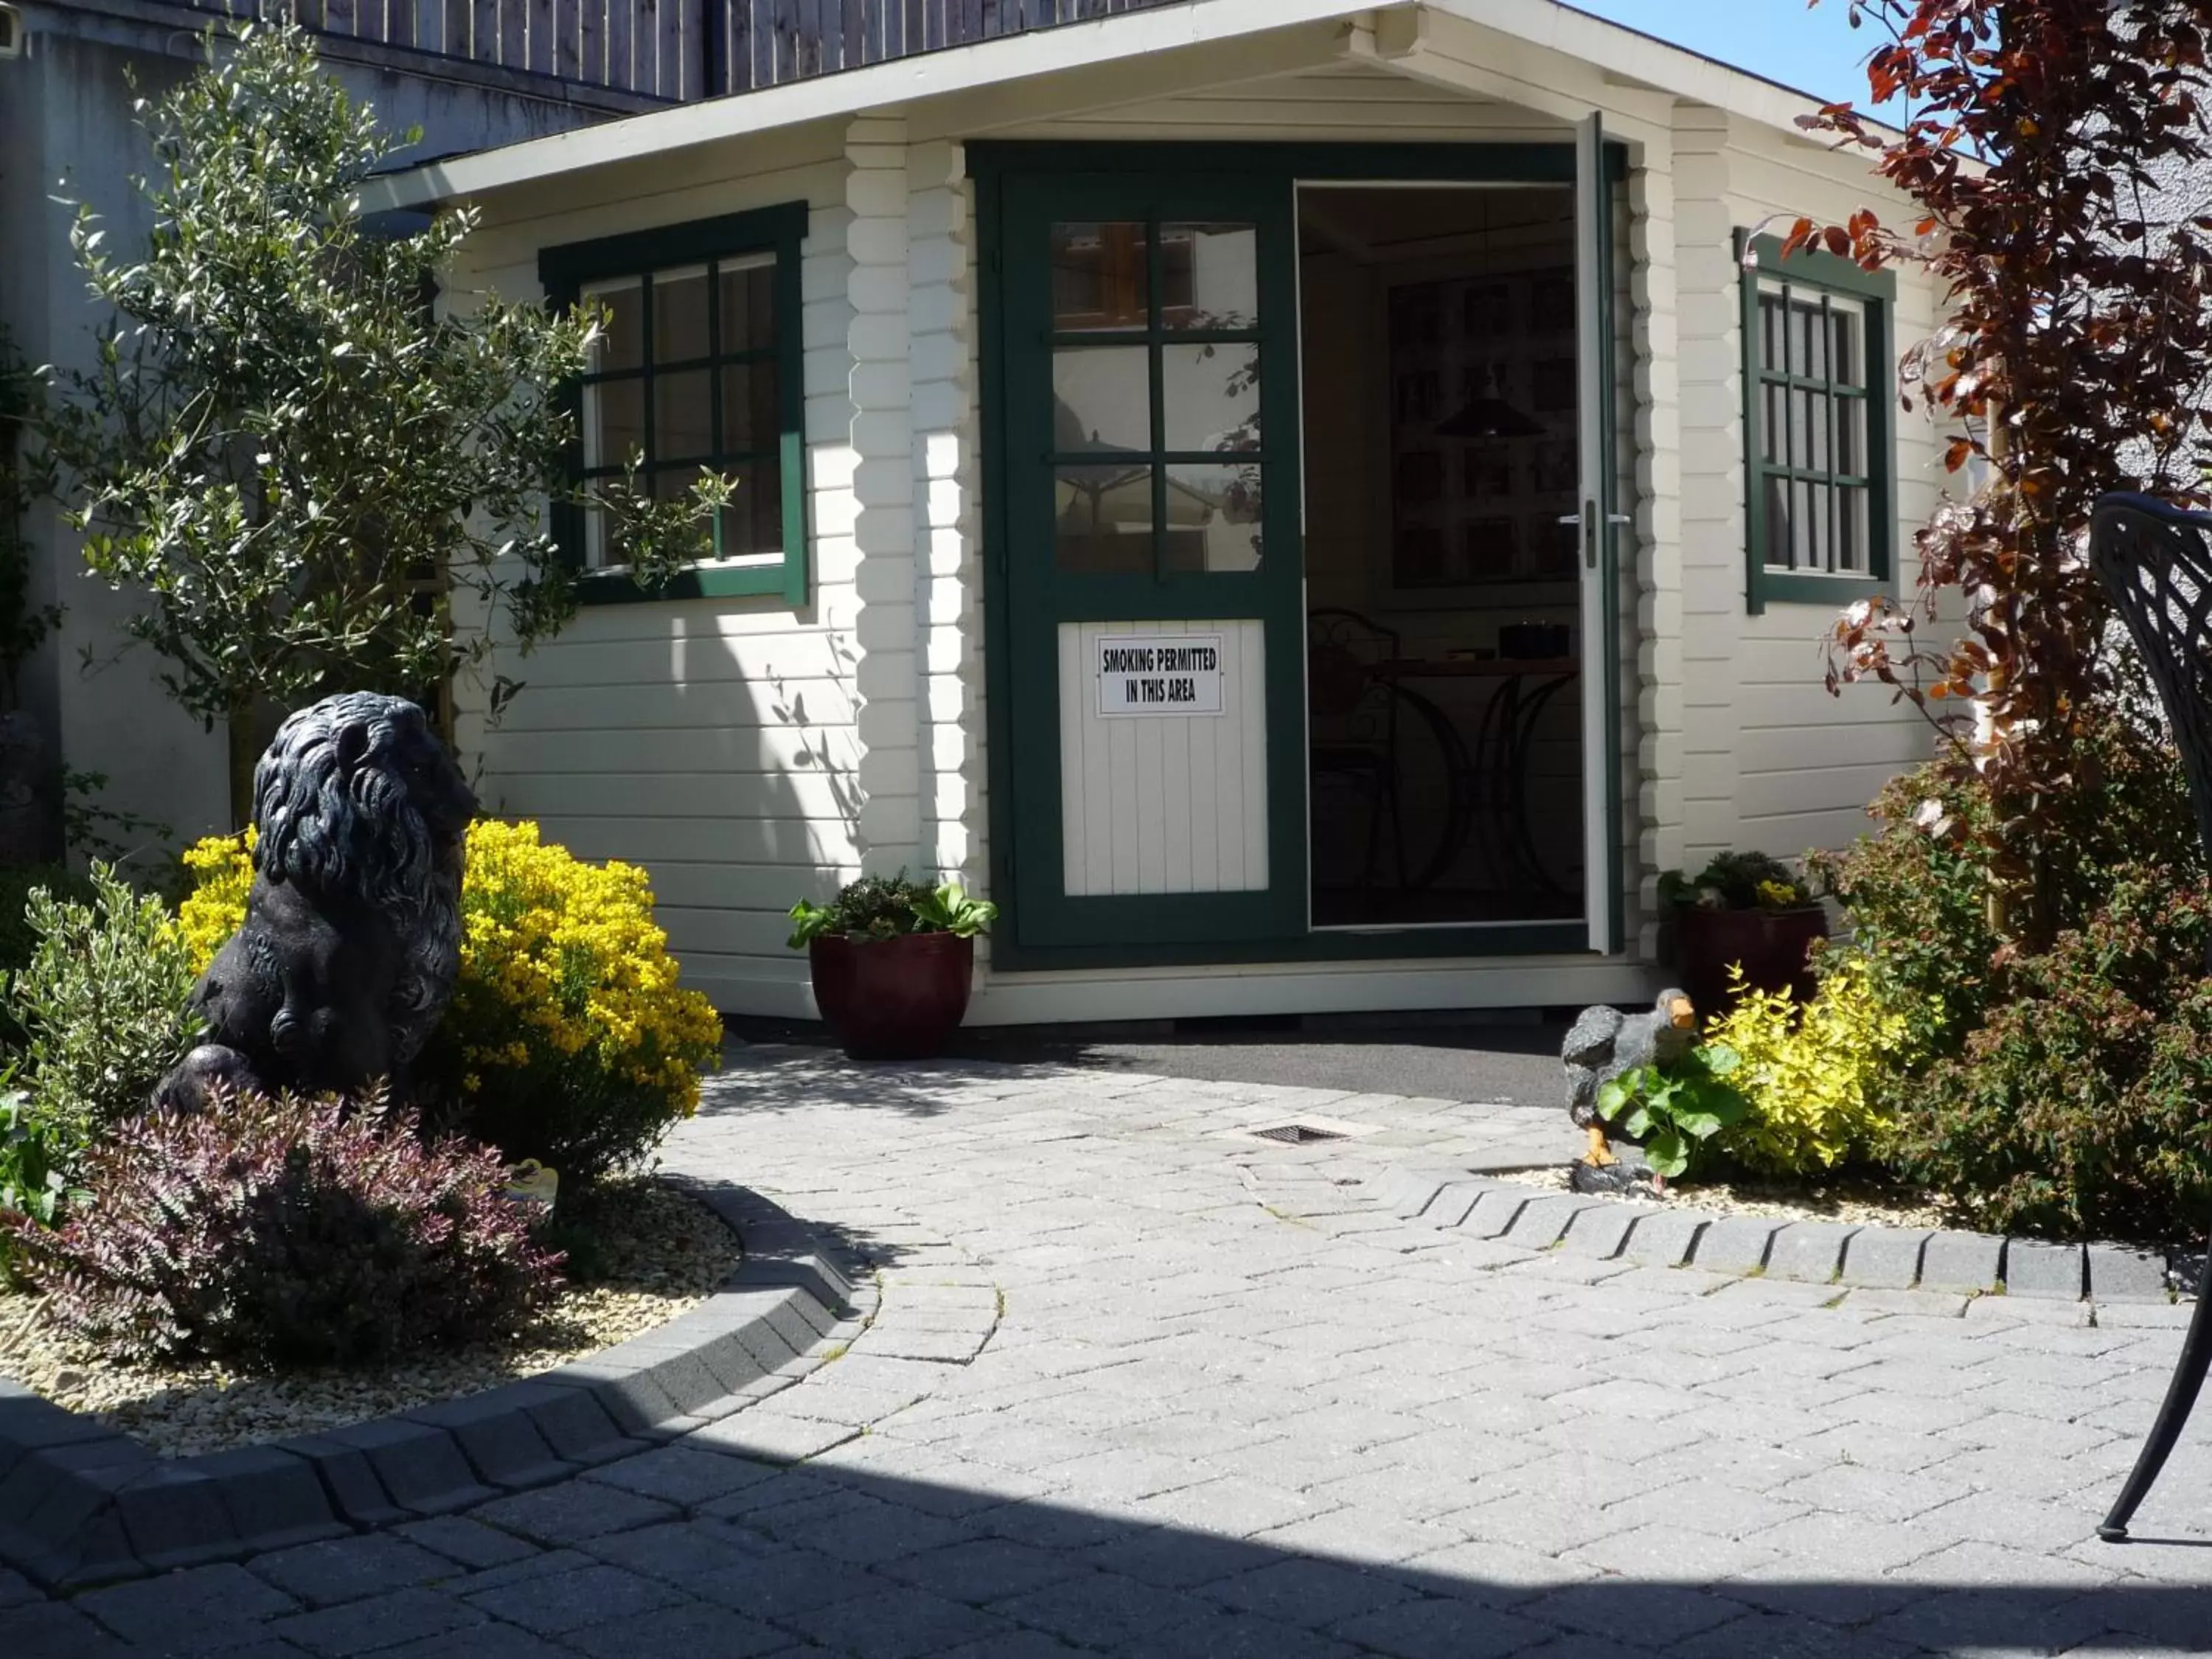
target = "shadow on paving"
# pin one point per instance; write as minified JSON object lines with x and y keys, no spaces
{"x":688,"y":1551}
{"x":1455,"y":1058}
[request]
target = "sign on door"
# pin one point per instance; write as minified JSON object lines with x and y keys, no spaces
{"x":1172,"y":674}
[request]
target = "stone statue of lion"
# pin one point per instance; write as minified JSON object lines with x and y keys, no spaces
{"x":351,"y":942}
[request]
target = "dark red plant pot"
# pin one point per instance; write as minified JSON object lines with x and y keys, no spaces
{"x":893,"y":998}
{"x":1770,"y":944}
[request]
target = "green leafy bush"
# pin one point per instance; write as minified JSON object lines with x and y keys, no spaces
{"x":2051,"y":1076}
{"x":17,"y":883}
{"x":101,"y":1001}
{"x":1803,"y":1068}
{"x":32,"y":1180}
{"x":282,"y":1231}
{"x":1735,"y":881}
{"x":884,"y":907}
{"x":1674,"y":1112}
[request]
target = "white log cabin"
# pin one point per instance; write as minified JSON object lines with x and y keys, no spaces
{"x":1310,"y":507}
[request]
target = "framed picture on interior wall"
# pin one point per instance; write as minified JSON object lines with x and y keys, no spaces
{"x":1419,"y":394}
{"x":1417,"y":316}
{"x":1552,"y":384}
{"x":1551,"y":302}
{"x":1487,"y":311}
{"x":1418,"y":557}
{"x":1487,"y":471}
{"x":1555,"y":466}
{"x":1490,"y":549}
{"x":1420,"y":476}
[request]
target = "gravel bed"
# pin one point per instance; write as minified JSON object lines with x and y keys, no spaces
{"x":661,"y":1253}
{"x":1853,"y":1199}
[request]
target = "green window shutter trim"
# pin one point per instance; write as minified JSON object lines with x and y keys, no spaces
{"x":563,"y":271}
{"x":1877,"y":292}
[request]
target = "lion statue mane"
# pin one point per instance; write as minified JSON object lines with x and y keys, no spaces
{"x":352,"y":936}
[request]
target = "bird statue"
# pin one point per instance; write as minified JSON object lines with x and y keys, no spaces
{"x":1603,"y":1042}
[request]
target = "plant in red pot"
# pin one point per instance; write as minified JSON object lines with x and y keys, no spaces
{"x":893,"y":960}
{"x":1742,"y":909}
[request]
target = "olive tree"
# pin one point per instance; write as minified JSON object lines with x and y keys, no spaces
{"x":290,"y":454}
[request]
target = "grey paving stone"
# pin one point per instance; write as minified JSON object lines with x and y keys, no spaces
{"x":497,"y":1435}
{"x":981,"y":1569}
{"x":346,"y":1569}
{"x":2033,"y":1266}
{"x":1449,"y":1207}
{"x":873,"y":1532}
{"x":1666,"y":1240}
{"x":2119,"y":1273}
{"x":572,"y":1511}
{"x":1734,"y":1244}
{"x":1443,"y":1627}
{"x":1106,"y":1610}
{"x":570,"y":1601}
{"x":51,"y":1630}
{"x":225,"y":1601}
{"x":577,"y":1427}
{"x":1544,"y":1218}
{"x":731,"y":1568}
{"x":1308,"y":1593}
{"x":1636,"y":1615}
{"x":1602,"y":1228}
{"x":1885,"y":1258}
{"x":1809,"y":1250}
{"x":1173,"y":1559}
{"x":356,"y":1494}
{"x":772,"y":1437}
{"x":1961,"y":1261}
{"x":420,"y":1467}
{"x":273,"y":1497}
{"x":479,"y":1642}
{"x":471,"y":1543}
{"x":376,"y":1621}
{"x":1495,"y":1209}
{"x":175,"y":1517}
{"x":683,"y":1474}
{"x":895,"y":1621}
{"x":696,"y":1629}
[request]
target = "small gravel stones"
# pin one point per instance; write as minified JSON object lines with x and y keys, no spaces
{"x":660,"y":1252}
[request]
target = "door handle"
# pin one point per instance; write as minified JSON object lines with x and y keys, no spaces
{"x":1588,"y":518}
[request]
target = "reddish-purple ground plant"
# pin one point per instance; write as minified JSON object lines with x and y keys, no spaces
{"x":279,"y":1231}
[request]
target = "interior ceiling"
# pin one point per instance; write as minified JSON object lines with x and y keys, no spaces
{"x":1376,"y":225}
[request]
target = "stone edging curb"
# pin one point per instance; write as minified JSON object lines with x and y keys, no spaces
{"x":1814,"y":1252}
{"x":81,"y":1503}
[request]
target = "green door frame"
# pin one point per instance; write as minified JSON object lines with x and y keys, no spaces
{"x":1158,"y":929}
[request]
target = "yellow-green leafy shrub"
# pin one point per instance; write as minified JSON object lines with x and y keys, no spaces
{"x":1806,"y":1067}
{"x":569,"y":1039}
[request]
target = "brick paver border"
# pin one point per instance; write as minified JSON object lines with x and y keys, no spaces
{"x":1848,"y":1255}
{"x":81,"y":1503}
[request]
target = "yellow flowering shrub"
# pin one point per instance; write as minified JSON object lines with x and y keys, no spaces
{"x":569,"y":1039}
{"x":1805,"y":1069}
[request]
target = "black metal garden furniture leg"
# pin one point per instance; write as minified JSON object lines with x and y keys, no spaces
{"x":2172,"y":1412}
{"x":2156,"y":561}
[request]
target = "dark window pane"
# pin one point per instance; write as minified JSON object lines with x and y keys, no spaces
{"x":1211,"y":275}
{"x":1213,"y":517}
{"x":614,"y":422}
{"x":1849,"y":368}
{"x":623,"y":345}
{"x":748,"y":305}
{"x":679,"y":314}
{"x":1809,"y":347}
{"x":752,"y":416}
{"x":754,"y":522}
{"x":1851,"y":551}
{"x":1102,"y":399}
{"x":1778,"y":523}
{"x":1851,"y":423}
{"x":1103,"y":520}
{"x":1099,"y":275}
{"x":1774,"y":428}
{"x":1770,"y":332}
{"x":682,"y":415}
{"x":1212,"y":394}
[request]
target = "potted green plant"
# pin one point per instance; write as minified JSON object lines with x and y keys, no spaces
{"x":1741,"y":909}
{"x":893,"y":961}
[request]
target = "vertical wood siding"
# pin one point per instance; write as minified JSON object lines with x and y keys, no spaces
{"x":1172,"y":804}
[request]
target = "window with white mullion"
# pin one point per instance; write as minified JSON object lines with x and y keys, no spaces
{"x":1811,"y":409}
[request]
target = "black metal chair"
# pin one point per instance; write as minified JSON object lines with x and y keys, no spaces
{"x":1354,"y":733}
{"x":2155,"y":562}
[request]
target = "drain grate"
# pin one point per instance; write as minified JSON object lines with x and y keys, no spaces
{"x":1296,"y":1134}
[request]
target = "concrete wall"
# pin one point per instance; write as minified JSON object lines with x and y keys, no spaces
{"x":66,"y":130}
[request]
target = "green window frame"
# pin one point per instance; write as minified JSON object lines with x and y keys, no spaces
{"x":767,"y":240}
{"x":1819,"y":378}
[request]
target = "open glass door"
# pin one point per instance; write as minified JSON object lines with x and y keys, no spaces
{"x":1598,"y":520}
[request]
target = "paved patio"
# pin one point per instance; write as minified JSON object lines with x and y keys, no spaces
{"x":1142,"y":1384}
